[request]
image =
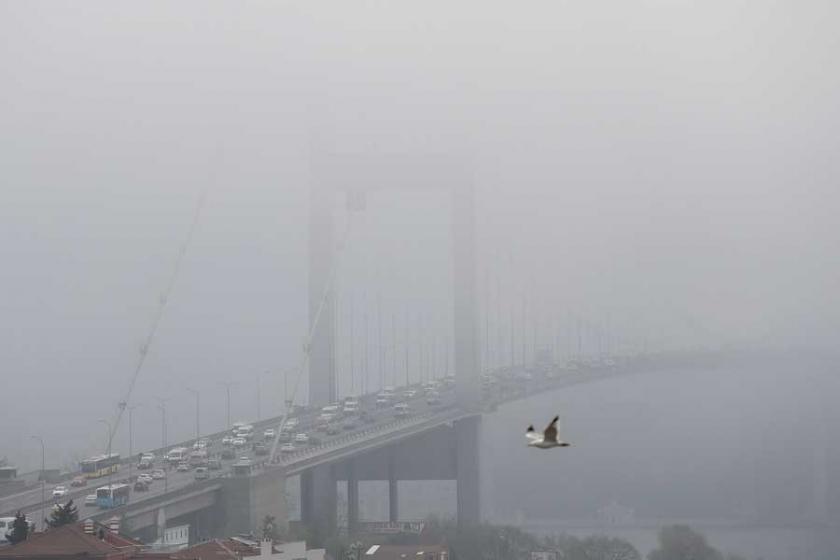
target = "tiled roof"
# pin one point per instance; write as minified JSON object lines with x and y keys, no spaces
{"x":62,"y":541}
{"x":217,"y":549}
{"x":403,"y":552}
{"x":72,"y":541}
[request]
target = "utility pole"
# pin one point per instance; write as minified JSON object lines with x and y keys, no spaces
{"x":43,"y":481}
{"x":197,"y":412}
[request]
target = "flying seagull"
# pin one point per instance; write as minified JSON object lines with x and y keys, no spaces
{"x":547,"y":439}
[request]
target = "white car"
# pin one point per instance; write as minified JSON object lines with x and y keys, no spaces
{"x":145,"y":477}
{"x":291,"y":422}
{"x":287,"y":447}
{"x":158,"y":474}
{"x":238,"y":442}
{"x":410,"y":394}
{"x":90,"y":500}
{"x":59,"y":492}
{"x":269,"y":433}
{"x":302,"y":438}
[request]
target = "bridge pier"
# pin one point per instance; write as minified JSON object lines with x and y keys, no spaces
{"x":319,"y":499}
{"x":246,"y":500}
{"x":467,"y":468}
{"x":393,"y":486}
{"x":352,"y":498}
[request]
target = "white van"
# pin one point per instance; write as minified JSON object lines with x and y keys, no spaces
{"x":177,"y":455}
{"x":6,"y":525}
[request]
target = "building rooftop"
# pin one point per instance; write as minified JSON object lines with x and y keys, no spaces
{"x":406,"y":552}
{"x":72,"y":541}
{"x":217,"y":549}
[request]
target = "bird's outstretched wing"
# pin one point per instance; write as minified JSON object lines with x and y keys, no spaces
{"x":531,"y":434}
{"x":550,"y":433}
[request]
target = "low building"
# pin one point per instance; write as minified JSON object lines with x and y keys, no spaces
{"x":80,"y":540}
{"x":217,"y":549}
{"x":238,"y":548}
{"x":406,"y":552}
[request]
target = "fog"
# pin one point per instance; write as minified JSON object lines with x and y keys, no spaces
{"x":663,"y":170}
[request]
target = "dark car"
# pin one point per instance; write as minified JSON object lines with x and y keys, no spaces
{"x":260,"y":449}
{"x":141,"y":486}
{"x":228,"y":453}
{"x":214,"y":464}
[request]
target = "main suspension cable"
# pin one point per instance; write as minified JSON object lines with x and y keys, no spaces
{"x":159,"y":312}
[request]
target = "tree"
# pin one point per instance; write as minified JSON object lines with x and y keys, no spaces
{"x":476,"y":542}
{"x":20,"y":529}
{"x":681,"y":542}
{"x":63,"y":515}
{"x":600,"y":547}
{"x":269,"y":528}
{"x":595,"y":547}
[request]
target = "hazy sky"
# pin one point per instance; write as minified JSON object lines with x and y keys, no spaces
{"x":666,"y":167}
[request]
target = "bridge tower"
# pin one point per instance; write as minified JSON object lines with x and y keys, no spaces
{"x":331,"y":175}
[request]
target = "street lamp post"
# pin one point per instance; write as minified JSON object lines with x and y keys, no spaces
{"x":197,"y":412}
{"x":130,"y":438}
{"x":227,"y":385}
{"x":43,"y":481}
{"x":110,"y":468}
{"x":162,"y":407}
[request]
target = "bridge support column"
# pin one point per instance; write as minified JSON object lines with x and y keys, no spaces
{"x":319,"y":499}
{"x":393,"y":487}
{"x":352,"y":498}
{"x":247,"y":500}
{"x":467,"y":463}
{"x":160,"y":522}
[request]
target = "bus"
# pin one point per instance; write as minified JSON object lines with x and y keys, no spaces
{"x":101,"y":465}
{"x":112,"y":496}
